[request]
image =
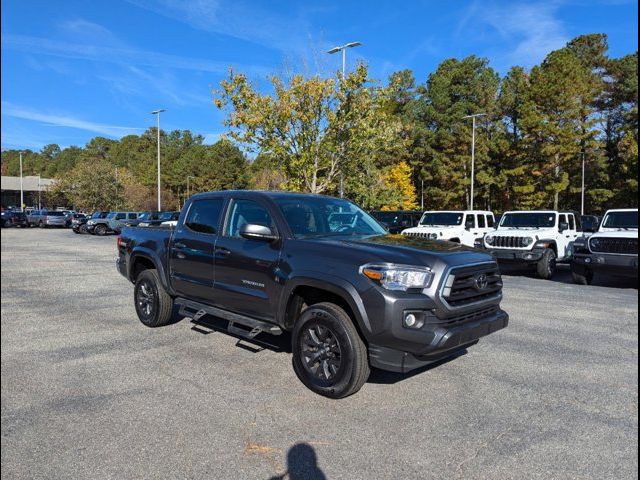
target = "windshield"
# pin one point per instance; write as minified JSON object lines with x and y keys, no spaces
{"x":621,"y":220}
{"x":386,"y":217}
{"x":323,"y":216}
{"x":529,"y":220}
{"x":441,"y":219}
{"x":55,"y":214}
{"x":164,"y":216}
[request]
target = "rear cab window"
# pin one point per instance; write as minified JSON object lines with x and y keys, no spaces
{"x":204,"y":215}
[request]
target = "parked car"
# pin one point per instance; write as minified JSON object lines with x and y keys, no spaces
{"x":352,"y":295}
{"x":463,"y":227}
{"x":612,"y":249}
{"x":112,"y":223}
{"x":161,"y":219}
{"x":79,"y":224}
{"x":151,"y":218}
{"x":536,"y":238}
{"x":46,"y":218}
{"x":590,"y":223}
{"x":13,"y":218}
{"x":397,"y":220}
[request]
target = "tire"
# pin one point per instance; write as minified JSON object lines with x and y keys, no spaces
{"x":153,"y":304}
{"x":345,"y":358}
{"x":100,"y":230}
{"x":584,"y":278}
{"x":546,"y":267}
{"x":41,"y":224}
{"x":82,"y":229}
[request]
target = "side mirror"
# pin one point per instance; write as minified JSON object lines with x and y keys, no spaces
{"x":563,"y":227}
{"x":257,"y":232}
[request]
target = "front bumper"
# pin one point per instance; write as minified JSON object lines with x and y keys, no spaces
{"x":446,"y":341}
{"x":516,"y":255}
{"x":624,"y":265}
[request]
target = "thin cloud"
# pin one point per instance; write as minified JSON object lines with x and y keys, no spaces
{"x":62,"y":120}
{"x":119,"y":55}
{"x":528,"y":31}
{"x":235,"y":19}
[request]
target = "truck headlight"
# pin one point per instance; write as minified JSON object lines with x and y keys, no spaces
{"x":433,"y":236}
{"x":489,"y":239}
{"x":527,"y":241}
{"x":398,"y":277}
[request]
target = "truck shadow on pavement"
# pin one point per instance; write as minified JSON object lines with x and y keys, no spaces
{"x":282,"y":344}
{"x":563,"y":275}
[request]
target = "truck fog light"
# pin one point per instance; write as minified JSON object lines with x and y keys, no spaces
{"x":587,"y":260}
{"x":528,"y":256}
{"x":410,"y":320}
{"x":413,"y":320}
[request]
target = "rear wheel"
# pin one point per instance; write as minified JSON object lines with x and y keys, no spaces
{"x":100,"y":230}
{"x":83,"y":229}
{"x":546,"y":267}
{"x":329,"y":356}
{"x":41,"y":224}
{"x":153,"y":304}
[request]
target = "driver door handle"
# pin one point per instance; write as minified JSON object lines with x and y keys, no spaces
{"x":179,"y":245}
{"x":223,"y":252}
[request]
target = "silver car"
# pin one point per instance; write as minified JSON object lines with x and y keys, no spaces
{"x":46,"y":218}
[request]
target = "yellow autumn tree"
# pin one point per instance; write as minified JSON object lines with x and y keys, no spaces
{"x":397,"y":179}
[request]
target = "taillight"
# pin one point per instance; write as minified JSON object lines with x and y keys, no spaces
{"x":120,"y":242}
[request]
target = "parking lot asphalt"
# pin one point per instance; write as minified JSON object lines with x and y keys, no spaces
{"x":89,"y":392}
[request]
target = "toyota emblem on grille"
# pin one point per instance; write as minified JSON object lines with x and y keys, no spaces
{"x":481,"y":282}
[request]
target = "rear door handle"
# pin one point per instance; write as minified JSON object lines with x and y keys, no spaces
{"x":179,"y":245}
{"x":223,"y":251}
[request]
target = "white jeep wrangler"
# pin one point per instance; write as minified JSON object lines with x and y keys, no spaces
{"x":540,"y":238}
{"x":464,"y":227}
{"x":612,"y":249}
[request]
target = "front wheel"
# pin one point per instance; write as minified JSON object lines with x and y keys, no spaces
{"x":547,"y":265}
{"x":329,"y":356}
{"x":100,"y":230}
{"x":154,"y":305}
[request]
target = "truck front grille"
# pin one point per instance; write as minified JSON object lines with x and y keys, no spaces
{"x":622,"y":246}
{"x":417,"y":234}
{"x":509,"y":242}
{"x":474,"y":284}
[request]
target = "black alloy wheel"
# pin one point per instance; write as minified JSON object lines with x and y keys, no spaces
{"x":320,"y":352}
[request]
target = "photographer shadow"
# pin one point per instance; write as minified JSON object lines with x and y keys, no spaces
{"x":302,"y":464}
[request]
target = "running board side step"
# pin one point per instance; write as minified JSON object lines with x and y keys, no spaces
{"x":250,"y":327}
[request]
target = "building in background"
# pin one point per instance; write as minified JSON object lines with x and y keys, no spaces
{"x":34,"y":189}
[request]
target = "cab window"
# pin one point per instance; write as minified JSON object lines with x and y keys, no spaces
{"x":490,"y":221}
{"x":120,"y":216}
{"x":470,"y":222}
{"x":481,"y":221}
{"x":204,"y":215}
{"x":572,"y":222}
{"x":243,"y":212}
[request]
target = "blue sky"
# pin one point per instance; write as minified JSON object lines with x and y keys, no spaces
{"x":75,"y":69}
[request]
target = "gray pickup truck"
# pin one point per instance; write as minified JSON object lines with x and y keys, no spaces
{"x":352,"y":295}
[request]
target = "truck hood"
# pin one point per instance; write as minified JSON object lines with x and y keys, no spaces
{"x":407,"y":250}
{"x":541,"y":233}
{"x":432,"y":229}
{"x":615,"y":233}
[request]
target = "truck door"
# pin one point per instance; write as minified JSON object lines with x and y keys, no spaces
{"x":564,"y":238}
{"x":246,"y":268}
{"x":191,"y":251}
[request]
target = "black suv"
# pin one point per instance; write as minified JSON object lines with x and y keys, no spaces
{"x":12,"y":218}
{"x":397,"y":220}
{"x":352,"y":296}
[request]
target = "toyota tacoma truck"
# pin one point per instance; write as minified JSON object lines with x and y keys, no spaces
{"x":534,"y":238}
{"x":465,"y":227}
{"x":352,"y":295}
{"x":612,"y":249}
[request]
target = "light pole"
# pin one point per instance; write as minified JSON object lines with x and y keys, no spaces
{"x":343,"y":49}
{"x":473,"y":152}
{"x":157,"y":113}
{"x":188,"y":191}
{"x":583,"y":173}
{"x":21,"y":187}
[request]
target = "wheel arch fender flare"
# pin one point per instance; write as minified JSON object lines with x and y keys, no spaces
{"x":333,"y":284}
{"x":154,"y":258}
